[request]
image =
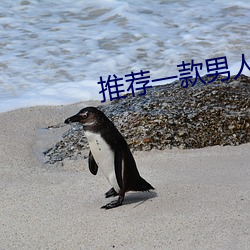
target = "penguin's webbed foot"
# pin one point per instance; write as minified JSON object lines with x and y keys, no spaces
{"x":111,"y":193}
{"x":113,"y":204}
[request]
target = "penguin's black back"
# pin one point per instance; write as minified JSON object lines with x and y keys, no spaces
{"x":131,"y":178}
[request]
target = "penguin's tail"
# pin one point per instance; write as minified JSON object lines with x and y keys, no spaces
{"x":141,"y":185}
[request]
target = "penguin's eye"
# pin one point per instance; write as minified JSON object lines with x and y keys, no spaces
{"x":84,"y":115}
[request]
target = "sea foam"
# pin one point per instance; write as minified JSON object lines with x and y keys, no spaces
{"x":54,"y":53}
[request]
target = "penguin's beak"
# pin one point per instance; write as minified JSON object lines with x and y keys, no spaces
{"x":74,"y":118}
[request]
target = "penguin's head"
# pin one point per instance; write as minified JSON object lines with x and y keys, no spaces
{"x":88,"y":117}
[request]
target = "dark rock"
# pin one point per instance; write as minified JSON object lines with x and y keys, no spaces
{"x":170,"y":116}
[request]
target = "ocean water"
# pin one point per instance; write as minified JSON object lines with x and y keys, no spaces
{"x":54,"y":52}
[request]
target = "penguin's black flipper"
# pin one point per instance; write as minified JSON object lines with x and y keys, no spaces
{"x":92,"y":164}
{"x":118,"y":166}
{"x":111,"y":193}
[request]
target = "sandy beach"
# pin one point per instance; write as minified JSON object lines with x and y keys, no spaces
{"x":201,"y":198}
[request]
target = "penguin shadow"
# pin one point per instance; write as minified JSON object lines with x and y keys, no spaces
{"x":139,"y":198}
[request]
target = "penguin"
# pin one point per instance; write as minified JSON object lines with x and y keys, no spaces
{"x":110,"y":152}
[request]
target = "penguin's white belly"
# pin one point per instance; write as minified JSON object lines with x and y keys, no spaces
{"x":104,"y":157}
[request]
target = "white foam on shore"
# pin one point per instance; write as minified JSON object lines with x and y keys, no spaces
{"x":54,"y":52}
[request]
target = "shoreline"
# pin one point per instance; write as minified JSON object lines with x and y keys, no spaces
{"x":201,"y":198}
